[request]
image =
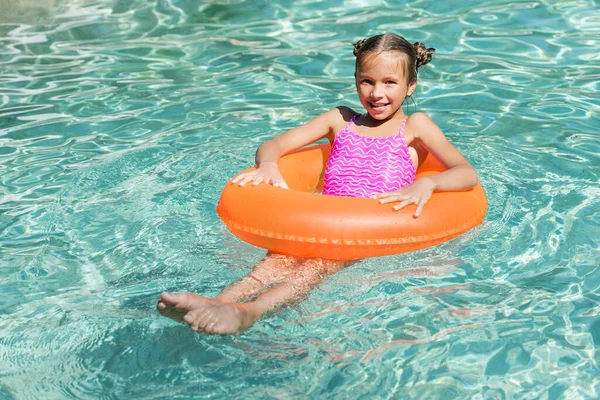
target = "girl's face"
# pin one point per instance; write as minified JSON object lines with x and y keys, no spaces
{"x":382,"y":84}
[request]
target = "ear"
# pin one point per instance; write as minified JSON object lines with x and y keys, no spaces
{"x":411,"y":88}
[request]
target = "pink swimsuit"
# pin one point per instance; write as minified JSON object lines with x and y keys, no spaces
{"x":361,"y":166}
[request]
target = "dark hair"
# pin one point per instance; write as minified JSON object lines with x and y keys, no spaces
{"x":417,"y":54}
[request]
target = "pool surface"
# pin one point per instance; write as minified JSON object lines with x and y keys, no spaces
{"x":120,"y":122}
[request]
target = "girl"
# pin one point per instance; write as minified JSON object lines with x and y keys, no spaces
{"x":373,"y":155}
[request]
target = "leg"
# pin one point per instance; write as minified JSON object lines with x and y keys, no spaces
{"x":295,"y":288}
{"x":266,"y":273}
{"x":216,"y":316}
{"x":270,"y":271}
{"x":301,"y":278}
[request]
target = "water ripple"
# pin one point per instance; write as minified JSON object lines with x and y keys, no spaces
{"x":120,"y":122}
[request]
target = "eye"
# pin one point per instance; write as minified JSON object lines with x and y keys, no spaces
{"x":366,"y":82}
{"x":390,"y":82}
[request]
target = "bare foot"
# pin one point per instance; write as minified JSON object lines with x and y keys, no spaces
{"x":208,"y":315}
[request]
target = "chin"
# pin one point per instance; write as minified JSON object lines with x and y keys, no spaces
{"x":380,"y":117}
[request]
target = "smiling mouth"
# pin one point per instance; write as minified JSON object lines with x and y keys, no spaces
{"x":377,"y":106}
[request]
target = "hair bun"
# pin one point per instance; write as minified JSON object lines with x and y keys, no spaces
{"x":423,"y":53}
{"x":358,"y":45}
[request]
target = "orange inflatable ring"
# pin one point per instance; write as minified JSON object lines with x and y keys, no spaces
{"x":303,"y":223}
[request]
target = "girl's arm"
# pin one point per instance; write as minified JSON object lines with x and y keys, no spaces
{"x":269,"y":153}
{"x":460,"y":175}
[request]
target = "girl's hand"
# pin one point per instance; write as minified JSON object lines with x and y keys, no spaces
{"x":418,"y":192}
{"x":266,"y":173}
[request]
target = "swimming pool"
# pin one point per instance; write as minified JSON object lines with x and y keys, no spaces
{"x":120,"y":121}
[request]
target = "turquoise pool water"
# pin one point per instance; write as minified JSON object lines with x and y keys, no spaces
{"x":120,"y":122}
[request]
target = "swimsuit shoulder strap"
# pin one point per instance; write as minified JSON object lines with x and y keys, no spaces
{"x":401,"y":130}
{"x":400,"y":134}
{"x":351,"y":121}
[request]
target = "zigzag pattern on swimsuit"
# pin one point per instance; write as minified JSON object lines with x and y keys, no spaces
{"x":362,"y":166}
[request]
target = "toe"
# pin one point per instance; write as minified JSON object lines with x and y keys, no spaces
{"x":190,"y":318}
{"x":193,"y":321}
{"x":205,"y":317}
{"x":165,"y":296}
{"x":211,"y":324}
{"x":213,"y":329}
{"x":176,"y":299}
{"x":182,"y":301}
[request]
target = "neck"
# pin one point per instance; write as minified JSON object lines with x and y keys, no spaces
{"x":398,"y":115}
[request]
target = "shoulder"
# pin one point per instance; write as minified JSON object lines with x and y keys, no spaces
{"x":421,"y":125}
{"x":420,"y":118}
{"x":342,"y":113}
{"x":337,"y":118}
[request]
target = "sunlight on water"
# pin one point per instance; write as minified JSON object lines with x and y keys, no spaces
{"x":120,"y":122}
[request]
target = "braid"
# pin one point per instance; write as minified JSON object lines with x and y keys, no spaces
{"x":423,"y":54}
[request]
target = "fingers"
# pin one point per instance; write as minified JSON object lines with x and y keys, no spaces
{"x":280,"y":184}
{"x":256,"y":177}
{"x":404,"y":200}
{"x":244,"y":178}
{"x":403,"y":204}
{"x":241,"y":176}
{"x":418,"y":202}
{"x":419,"y":209}
{"x":253,"y":176}
{"x":390,"y":198}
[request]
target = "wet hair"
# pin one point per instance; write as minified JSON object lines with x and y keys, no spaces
{"x":416,"y":54}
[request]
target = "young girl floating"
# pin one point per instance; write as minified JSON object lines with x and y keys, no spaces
{"x":372,"y":155}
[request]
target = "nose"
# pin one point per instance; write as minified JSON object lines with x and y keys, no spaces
{"x":377,"y":91}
